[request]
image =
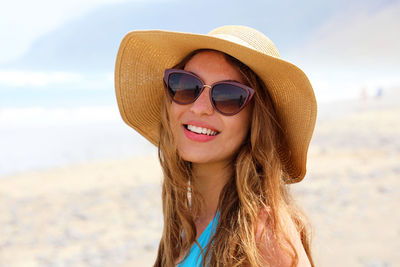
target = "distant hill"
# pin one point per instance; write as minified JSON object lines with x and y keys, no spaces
{"x":90,"y":43}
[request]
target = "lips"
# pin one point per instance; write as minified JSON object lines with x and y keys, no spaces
{"x":200,"y":130}
{"x":199,"y":127}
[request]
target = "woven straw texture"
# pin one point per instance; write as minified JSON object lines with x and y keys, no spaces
{"x":144,"y":55}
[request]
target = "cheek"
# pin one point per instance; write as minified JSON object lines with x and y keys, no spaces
{"x":238,"y":130}
{"x":175,"y":113}
{"x":242,"y":123}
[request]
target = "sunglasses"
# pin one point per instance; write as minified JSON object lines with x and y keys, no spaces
{"x":227,"y":97}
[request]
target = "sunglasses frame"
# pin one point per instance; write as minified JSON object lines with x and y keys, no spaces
{"x":250,"y":91}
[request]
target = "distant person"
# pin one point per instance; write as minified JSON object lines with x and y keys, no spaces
{"x":232,"y":123}
{"x":379,"y":93}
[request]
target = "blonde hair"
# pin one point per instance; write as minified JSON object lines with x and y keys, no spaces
{"x":258,"y":183}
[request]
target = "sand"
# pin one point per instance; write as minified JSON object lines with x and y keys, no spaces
{"x":97,"y":214}
{"x":352,"y":190}
{"x":109,"y":213}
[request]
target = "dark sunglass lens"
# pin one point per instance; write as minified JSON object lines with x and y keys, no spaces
{"x":183,"y":87}
{"x":228,"y":98}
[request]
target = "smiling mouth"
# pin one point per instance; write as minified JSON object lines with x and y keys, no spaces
{"x":200,"y":130}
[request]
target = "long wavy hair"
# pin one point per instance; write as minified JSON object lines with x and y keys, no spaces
{"x":257,"y":183}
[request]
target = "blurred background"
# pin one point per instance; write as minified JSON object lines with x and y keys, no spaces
{"x":80,"y":188}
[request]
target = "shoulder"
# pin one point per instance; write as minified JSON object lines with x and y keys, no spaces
{"x":267,"y":240}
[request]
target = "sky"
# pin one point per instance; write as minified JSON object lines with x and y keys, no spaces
{"x":23,"y":21}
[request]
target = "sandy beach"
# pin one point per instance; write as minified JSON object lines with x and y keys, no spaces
{"x":108,"y":213}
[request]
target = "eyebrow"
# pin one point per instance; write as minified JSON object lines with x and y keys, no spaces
{"x":195,"y":74}
{"x":232,"y":81}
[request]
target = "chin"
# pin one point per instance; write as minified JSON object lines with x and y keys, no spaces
{"x":203,"y":158}
{"x":192,"y":158}
{"x":195,"y":157}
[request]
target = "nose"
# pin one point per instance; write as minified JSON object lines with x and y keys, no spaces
{"x":202,"y":105}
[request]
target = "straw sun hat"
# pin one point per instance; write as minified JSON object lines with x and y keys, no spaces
{"x":144,"y":55}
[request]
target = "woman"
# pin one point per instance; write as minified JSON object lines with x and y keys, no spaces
{"x":232,"y":122}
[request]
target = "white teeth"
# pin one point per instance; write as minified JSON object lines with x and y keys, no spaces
{"x":200,"y":130}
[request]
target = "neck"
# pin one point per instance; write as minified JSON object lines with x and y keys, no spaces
{"x":209,"y":180}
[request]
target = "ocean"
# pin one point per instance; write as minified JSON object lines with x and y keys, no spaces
{"x":47,"y":126}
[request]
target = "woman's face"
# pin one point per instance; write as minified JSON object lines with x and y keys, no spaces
{"x":211,"y":67}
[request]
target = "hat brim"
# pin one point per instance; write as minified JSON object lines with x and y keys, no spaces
{"x":144,"y":55}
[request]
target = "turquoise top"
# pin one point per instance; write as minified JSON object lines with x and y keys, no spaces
{"x":195,"y":257}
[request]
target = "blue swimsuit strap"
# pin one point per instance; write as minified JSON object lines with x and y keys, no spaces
{"x":194,"y":258}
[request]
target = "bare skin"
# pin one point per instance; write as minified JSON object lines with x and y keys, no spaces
{"x":210,"y":179}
